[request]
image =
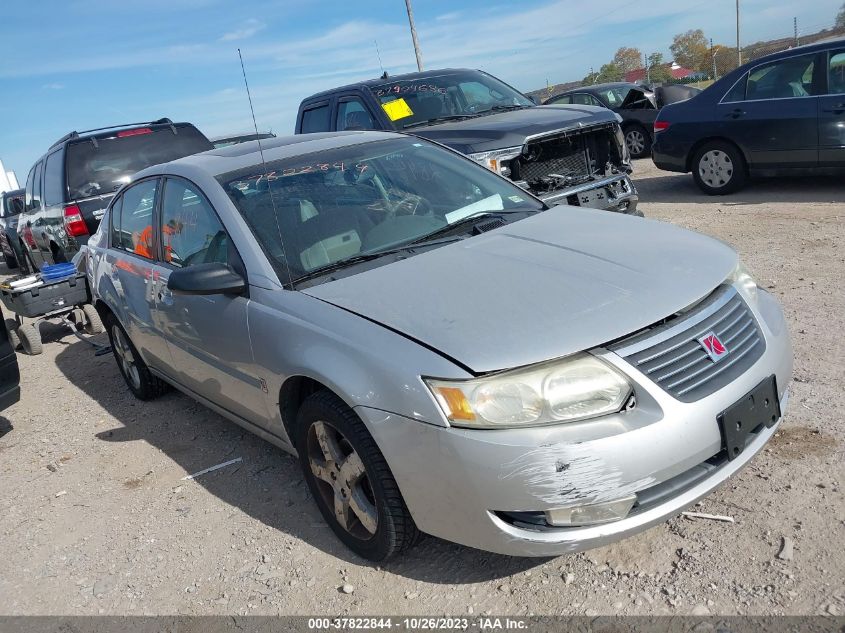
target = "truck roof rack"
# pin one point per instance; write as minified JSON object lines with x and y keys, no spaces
{"x":72,"y":135}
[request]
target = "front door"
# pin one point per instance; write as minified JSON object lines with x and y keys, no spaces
{"x":208,"y":335}
{"x":776,"y":124}
{"x":832,"y":113}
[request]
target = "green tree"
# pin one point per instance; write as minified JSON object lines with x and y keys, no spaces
{"x":658,"y":71}
{"x":609,"y":72}
{"x":840,"y":18}
{"x":691,"y":50}
{"x":627,"y":59}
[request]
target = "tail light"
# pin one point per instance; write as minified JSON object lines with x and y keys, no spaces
{"x":136,"y":132}
{"x":27,"y":236}
{"x":74,"y":224}
{"x":659,"y":126}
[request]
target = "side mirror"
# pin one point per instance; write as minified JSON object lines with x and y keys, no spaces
{"x":206,"y":279}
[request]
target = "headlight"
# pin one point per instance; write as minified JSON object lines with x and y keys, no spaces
{"x":579,"y":387}
{"x":742,"y":279}
{"x":497,"y":159}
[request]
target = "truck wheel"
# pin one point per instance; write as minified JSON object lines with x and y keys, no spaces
{"x":140,"y":381}
{"x":350,"y":480}
{"x":11,"y":261}
{"x":718,"y":168}
{"x":93,"y":323}
{"x":30,"y":338}
{"x":12,"y":329}
{"x":638,"y":141}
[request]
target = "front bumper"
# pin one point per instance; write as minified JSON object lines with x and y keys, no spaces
{"x":616,"y":193}
{"x":461,"y":484}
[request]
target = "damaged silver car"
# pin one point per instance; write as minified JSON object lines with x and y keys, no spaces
{"x":445,"y":353}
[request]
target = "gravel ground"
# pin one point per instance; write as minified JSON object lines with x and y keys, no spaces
{"x":95,"y":518}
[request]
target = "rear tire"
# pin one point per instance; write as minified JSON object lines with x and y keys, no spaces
{"x":30,"y":338}
{"x":11,"y":261}
{"x":719,"y":168}
{"x":638,"y":141}
{"x":134,"y":370}
{"x":349,"y":478}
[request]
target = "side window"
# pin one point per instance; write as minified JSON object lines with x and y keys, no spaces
{"x":191,"y":233}
{"x":316,"y":119}
{"x":566,"y":99}
{"x":352,"y":114}
{"x":582,"y":98}
{"x":836,"y":73}
{"x":136,"y":219}
{"x":36,"y":186}
{"x":737,"y":91}
{"x":114,"y":222}
{"x":30,"y":182}
{"x":791,"y":77}
{"x":54,"y":180}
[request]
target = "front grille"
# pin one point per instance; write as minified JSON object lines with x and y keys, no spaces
{"x":564,"y":156}
{"x":672,"y":357}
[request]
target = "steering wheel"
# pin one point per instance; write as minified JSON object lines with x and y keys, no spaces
{"x":411,"y":204}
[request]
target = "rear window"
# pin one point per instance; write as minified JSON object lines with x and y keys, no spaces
{"x":315,"y":120}
{"x":99,"y":169}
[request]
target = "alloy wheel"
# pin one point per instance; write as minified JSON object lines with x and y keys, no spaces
{"x":715,"y":168}
{"x":635,"y":140}
{"x":125,"y":356}
{"x":342,"y":480}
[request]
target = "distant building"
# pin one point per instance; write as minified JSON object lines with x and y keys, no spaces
{"x":8,"y":180}
{"x":677,"y":71}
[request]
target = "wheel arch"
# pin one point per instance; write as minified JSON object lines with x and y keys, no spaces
{"x":710,"y":139}
{"x":293,"y":392}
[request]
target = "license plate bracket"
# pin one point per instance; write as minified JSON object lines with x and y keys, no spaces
{"x":759,"y":407}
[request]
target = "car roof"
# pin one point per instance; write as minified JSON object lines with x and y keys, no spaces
{"x":234,"y":157}
{"x":380,"y":80}
{"x":610,"y":84}
{"x":246,"y":135}
{"x":106,"y":132}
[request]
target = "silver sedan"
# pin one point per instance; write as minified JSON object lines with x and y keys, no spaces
{"x":445,"y":353}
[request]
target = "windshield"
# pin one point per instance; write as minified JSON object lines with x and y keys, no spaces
{"x":99,"y":168}
{"x":418,"y":100}
{"x":320,"y":209}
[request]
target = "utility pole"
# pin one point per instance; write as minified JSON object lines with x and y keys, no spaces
{"x":738,"y":49}
{"x":713,"y":57}
{"x":795,"y":30}
{"x":414,"y":35}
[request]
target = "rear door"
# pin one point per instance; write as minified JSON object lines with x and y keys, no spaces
{"x":208,"y":335}
{"x":28,"y":227}
{"x":775,"y":119}
{"x":315,"y":117}
{"x":133,"y":271}
{"x":832,"y":112}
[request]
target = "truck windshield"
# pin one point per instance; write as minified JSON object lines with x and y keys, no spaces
{"x":445,"y":96}
{"x":99,"y":168}
{"x":344,"y":204}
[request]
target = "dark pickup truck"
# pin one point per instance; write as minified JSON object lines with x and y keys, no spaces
{"x":562,"y":154}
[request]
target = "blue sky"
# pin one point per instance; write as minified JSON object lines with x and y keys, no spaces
{"x":78,"y":64}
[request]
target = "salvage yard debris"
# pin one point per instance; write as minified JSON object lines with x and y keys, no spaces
{"x":712,"y":517}
{"x":213,"y":468}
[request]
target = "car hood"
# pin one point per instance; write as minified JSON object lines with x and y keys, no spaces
{"x":556,"y":283}
{"x":511,"y":129}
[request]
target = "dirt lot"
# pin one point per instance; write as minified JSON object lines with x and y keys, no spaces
{"x":95,"y":519}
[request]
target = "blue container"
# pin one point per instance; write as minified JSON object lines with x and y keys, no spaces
{"x":57,"y":271}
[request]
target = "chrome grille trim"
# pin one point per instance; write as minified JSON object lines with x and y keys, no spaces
{"x":672,"y":357}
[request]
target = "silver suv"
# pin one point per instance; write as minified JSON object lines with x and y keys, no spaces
{"x":444,"y":352}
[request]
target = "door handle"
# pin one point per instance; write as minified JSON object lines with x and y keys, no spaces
{"x":736,"y":113}
{"x":839,"y":108}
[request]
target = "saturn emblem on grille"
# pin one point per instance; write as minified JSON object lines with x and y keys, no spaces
{"x":714,"y":347}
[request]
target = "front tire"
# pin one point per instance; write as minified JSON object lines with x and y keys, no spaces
{"x":30,"y":339}
{"x":719,"y":168}
{"x":134,"y":370}
{"x":350,"y":480}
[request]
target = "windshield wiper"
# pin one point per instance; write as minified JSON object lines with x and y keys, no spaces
{"x":438,"y":119}
{"x":502,"y":108}
{"x":357,"y":259}
{"x":469,"y":220}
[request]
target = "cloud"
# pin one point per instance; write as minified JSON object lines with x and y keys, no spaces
{"x":53,"y":86}
{"x":249,"y":28}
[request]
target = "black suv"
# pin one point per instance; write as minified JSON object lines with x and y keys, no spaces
{"x":69,"y":188}
{"x":11,"y":205}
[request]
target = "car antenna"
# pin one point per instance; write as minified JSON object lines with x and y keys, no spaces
{"x":378,"y":54}
{"x":264,"y":167}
